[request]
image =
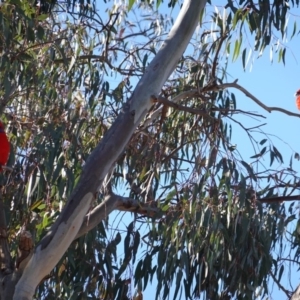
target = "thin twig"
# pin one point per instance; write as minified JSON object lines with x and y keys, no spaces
{"x":288,"y":293}
{"x":165,"y":101}
{"x":215,"y":62}
{"x":258,"y":102}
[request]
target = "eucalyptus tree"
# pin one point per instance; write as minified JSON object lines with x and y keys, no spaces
{"x":101,"y":104}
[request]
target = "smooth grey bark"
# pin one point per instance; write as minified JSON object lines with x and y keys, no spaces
{"x":52,"y":247}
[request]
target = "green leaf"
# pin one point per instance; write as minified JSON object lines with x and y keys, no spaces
{"x":73,"y":60}
{"x":278,"y":154}
{"x":136,"y":243}
{"x":45,"y":220}
{"x":244,"y":58}
{"x":178,"y":282}
{"x":237,"y":47}
{"x":294,"y":29}
{"x":280,"y":273}
{"x":145,"y":61}
{"x":130,"y":4}
{"x":272,"y":155}
{"x":260,"y":154}
{"x":249,"y":169}
{"x":263,"y":141}
{"x":40,"y":32}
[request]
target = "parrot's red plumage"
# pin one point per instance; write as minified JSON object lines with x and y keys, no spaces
{"x":297,"y":95}
{"x":4,"y":147}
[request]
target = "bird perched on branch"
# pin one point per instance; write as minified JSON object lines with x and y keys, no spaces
{"x":4,"y":147}
{"x":297,"y":95}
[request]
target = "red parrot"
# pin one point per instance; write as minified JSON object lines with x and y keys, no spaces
{"x":4,"y":147}
{"x":297,"y":95}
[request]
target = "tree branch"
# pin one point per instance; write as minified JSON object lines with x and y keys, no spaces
{"x":197,"y":93}
{"x":279,"y":199}
{"x":115,"y":202}
{"x":199,"y":111}
{"x":258,"y":102}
